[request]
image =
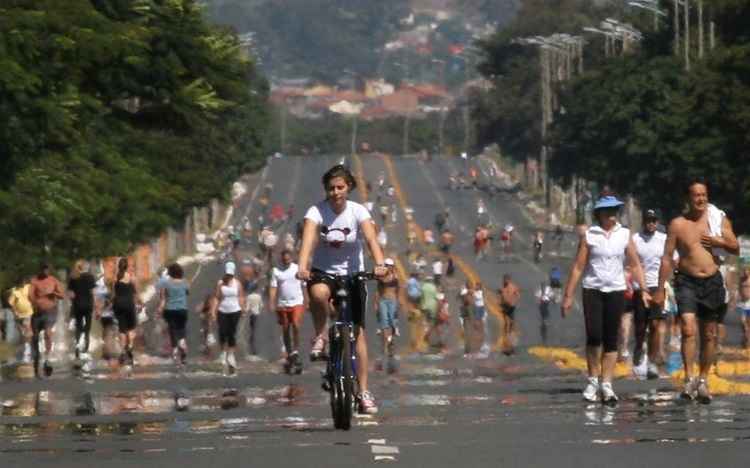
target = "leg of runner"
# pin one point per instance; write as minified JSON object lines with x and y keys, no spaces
{"x":689,"y":331}
{"x":252,"y":326}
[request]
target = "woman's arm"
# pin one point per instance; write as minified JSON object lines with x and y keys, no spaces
{"x":635,"y":266}
{"x":309,"y":242}
{"x":162,"y":301}
{"x":371,"y":237}
{"x":576,"y":271}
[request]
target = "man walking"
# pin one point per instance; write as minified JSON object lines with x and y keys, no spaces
{"x":45,"y":292}
{"x":510,"y":296}
{"x":290,"y":307}
{"x":700,"y":236}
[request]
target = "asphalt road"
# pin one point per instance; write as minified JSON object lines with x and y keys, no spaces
{"x":438,"y":410}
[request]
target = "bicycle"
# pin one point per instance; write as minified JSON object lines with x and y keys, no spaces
{"x":340,"y":379}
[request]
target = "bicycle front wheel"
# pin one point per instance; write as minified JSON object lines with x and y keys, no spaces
{"x":347,"y":377}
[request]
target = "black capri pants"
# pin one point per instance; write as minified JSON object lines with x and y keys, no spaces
{"x":602,"y":312}
{"x":228,"y":328}
{"x":176,"y":324}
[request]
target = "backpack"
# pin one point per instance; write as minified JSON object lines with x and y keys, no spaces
{"x":413,"y":290}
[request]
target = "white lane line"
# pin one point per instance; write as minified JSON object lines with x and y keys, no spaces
{"x":382,"y":452}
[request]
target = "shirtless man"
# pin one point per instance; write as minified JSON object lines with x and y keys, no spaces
{"x":386,"y":299}
{"x":510,"y":296}
{"x":699,"y":288}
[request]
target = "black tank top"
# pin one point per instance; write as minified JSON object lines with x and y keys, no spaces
{"x":124,"y":295}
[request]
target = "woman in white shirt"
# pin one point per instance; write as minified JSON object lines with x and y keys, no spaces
{"x":227,"y":307}
{"x":602,"y":252}
{"x":332,"y":242}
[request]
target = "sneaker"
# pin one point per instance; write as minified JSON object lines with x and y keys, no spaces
{"x":318,"y":348}
{"x":653,"y":371}
{"x":691,"y":389}
{"x":367,"y":403}
{"x":47,"y":368}
{"x":396,"y":331}
{"x":295,"y":363}
{"x":231,"y":362}
{"x":591,"y":392}
{"x":176,"y":355}
{"x":704,"y":396}
{"x":223,"y":357}
{"x":624,"y":356}
{"x":86,"y":366}
{"x":85,"y":357}
{"x":27,"y":355}
{"x":608,"y":394}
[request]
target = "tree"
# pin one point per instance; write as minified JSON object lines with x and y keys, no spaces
{"x":116,"y":117}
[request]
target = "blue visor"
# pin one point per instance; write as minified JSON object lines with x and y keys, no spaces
{"x":608,"y":202}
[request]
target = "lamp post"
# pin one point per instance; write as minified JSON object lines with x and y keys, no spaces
{"x":556,"y":51}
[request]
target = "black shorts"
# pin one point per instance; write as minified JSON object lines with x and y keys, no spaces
{"x":705,"y":297}
{"x":654,"y":312}
{"x":125,"y":318}
{"x":358,"y":291}
{"x":555,"y":283}
{"x":43,"y":320}
{"x":509,"y":310}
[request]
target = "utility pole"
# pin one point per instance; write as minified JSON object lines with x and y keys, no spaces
{"x":405,"y":149}
{"x":354,"y":133}
{"x":282,"y":136}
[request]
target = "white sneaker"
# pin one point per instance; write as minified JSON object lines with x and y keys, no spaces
{"x":608,"y":394}
{"x":653,"y":371}
{"x":223,"y":357}
{"x":231,"y":361}
{"x":591,"y":392}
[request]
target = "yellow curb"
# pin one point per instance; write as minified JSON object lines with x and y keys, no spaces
{"x":566,"y":359}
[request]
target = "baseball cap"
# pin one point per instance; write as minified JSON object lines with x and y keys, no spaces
{"x":389,"y":262}
{"x":230,"y":268}
{"x":650,"y":214}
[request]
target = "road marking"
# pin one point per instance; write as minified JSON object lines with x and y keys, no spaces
{"x":382,"y":452}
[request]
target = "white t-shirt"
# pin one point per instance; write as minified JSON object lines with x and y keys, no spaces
{"x":289,"y":288}
{"x":478,"y":298}
{"x":650,"y":250}
{"x":339,"y":250}
{"x":437,"y":267}
{"x":605,"y":268}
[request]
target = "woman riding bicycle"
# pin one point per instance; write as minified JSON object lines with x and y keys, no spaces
{"x":333,"y":236}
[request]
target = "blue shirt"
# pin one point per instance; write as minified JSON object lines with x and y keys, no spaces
{"x":177,"y":293}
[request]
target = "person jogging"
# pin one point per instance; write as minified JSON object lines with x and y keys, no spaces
{"x":44,"y":294}
{"x":649,"y":243}
{"x":287,"y":295}
{"x":81,"y":289}
{"x":701,"y":236}
{"x":602,"y":252}
{"x":173,"y":308}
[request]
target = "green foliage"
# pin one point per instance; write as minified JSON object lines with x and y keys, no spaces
{"x":116,"y":117}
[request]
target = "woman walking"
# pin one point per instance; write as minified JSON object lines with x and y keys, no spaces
{"x":81,"y":287}
{"x":173,"y":308}
{"x":125,"y":300}
{"x":226,"y":310}
{"x":602,"y":252}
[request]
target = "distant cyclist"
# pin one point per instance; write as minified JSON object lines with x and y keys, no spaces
{"x":332,"y":242}
{"x":537,"y":245}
